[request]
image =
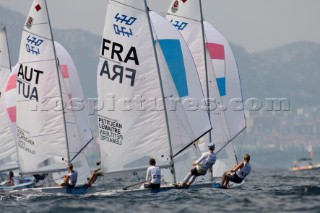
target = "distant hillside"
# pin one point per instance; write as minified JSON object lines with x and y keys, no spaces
{"x":291,"y":71}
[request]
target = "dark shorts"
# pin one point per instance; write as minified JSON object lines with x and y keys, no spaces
{"x":234,"y":178}
{"x":151,"y":186}
{"x":194,"y":172}
{"x":67,"y":185}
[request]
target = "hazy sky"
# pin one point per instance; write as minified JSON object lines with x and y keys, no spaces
{"x":254,"y":24}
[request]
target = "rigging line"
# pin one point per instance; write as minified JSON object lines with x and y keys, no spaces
{"x":82,"y":149}
{"x":227,"y":142}
{"x":234,"y":152}
{"x":191,"y":143}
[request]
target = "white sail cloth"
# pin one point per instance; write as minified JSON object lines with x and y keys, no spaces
{"x":218,"y":74}
{"x":8,"y":151}
{"x":48,"y":135}
{"x":129,"y":72}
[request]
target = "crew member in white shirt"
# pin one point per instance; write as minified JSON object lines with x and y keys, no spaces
{"x":238,"y":173}
{"x":153,"y":177}
{"x":70,"y":179}
{"x":200,"y":166}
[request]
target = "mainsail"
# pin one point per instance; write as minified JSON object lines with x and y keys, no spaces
{"x":218,"y":74}
{"x":8,"y":151}
{"x":47,"y":130}
{"x":143,"y":84}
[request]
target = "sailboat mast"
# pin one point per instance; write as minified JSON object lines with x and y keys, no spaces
{"x":206,"y":70}
{"x":163,"y":99}
{"x":205,"y":64}
{"x":5,"y":32}
{"x":57,"y":68}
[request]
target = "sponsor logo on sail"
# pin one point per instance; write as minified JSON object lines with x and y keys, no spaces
{"x":122,"y":25}
{"x":110,"y":130}
{"x":175,"y":6}
{"x":29,"y":22}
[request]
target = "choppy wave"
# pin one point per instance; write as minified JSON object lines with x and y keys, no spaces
{"x":265,"y":191}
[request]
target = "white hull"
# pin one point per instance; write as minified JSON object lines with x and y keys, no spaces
{"x":77,"y":190}
{"x":170,"y":187}
{"x":17,"y":187}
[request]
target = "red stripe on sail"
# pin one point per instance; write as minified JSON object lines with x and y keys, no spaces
{"x":12,"y":82}
{"x":64,"y":70}
{"x":12,"y":114}
{"x":216,"y":51}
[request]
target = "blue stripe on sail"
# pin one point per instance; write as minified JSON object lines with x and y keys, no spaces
{"x":172,"y":52}
{"x":222,"y":86}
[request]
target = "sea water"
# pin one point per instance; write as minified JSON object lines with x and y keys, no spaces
{"x":264,"y":191}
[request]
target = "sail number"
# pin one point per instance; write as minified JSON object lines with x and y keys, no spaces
{"x":115,"y":52}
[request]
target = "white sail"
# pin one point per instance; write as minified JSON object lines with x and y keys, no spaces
{"x":10,"y":96}
{"x":8,"y":151}
{"x":42,"y":141}
{"x":218,"y":74}
{"x":180,"y":82}
{"x":76,"y":100}
{"x":130,"y":136}
{"x":77,"y":122}
{"x":78,"y":127}
{"x":130,"y":131}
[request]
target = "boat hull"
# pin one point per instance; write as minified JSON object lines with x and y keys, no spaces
{"x":77,"y":190}
{"x":17,"y":187}
{"x":305,"y":168}
{"x":171,"y":187}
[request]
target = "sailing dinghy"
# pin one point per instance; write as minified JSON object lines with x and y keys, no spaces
{"x":8,"y":150}
{"x":145,"y":76}
{"x":219,"y":76}
{"x":305,"y":164}
{"x":48,"y":131}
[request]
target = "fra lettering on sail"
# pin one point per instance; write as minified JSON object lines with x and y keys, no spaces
{"x":114,"y":71}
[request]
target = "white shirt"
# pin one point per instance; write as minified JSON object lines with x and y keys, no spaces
{"x":244,"y":171}
{"x":154,"y":174}
{"x":73,"y":178}
{"x":207,"y":160}
{"x":16,"y":181}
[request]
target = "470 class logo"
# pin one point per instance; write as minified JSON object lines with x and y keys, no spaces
{"x":125,"y":21}
{"x":179,"y":25}
{"x":32,"y":45}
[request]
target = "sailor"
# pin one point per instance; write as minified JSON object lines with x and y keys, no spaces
{"x":238,"y":173}
{"x":11,"y":179}
{"x":70,"y":179}
{"x":94,"y":176}
{"x":153,"y":177}
{"x":200,"y":166}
